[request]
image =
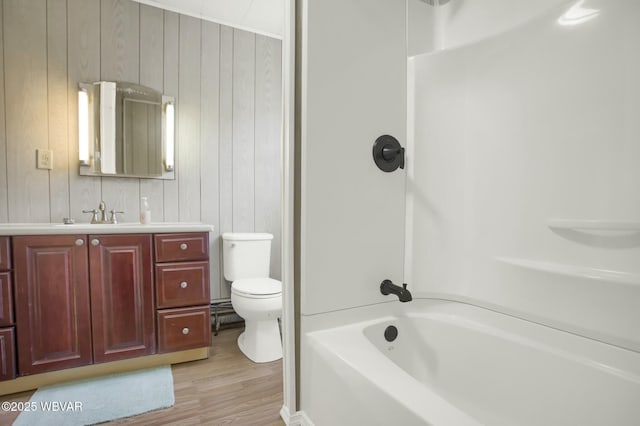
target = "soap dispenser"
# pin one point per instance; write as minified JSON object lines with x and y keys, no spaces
{"x":145,"y":212}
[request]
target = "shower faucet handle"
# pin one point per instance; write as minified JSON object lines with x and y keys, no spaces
{"x":388,"y":154}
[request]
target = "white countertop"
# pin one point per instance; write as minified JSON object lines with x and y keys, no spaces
{"x":87,"y":228}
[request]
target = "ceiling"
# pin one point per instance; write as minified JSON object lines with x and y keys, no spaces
{"x":259,"y":16}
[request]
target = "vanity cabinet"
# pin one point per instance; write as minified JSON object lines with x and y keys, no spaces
{"x":182,"y":291}
{"x":53,"y":321}
{"x":7,"y":318}
{"x":85,"y":298}
{"x":122,"y":309}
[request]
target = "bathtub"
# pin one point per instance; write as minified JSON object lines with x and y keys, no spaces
{"x":457,"y":364}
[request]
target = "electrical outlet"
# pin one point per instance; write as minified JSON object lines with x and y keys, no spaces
{"x":44,"y":159}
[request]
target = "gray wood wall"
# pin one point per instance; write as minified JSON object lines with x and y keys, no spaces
{"x":227,"y":84}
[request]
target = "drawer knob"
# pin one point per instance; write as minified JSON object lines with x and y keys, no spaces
{"x":184,"y":284}
{"x":185,"y":330}
{"x":183,"y":246}
{"x":95,"y":242}
{"x":79,"y":242}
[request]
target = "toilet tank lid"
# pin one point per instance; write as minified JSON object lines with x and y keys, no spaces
{"x":248,"y":236}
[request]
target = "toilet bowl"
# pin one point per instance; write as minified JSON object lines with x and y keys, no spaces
{"x":259,"y":302}
{"x":254,"y":296}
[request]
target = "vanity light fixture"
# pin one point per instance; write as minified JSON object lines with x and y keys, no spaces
{"x":169,"y":136}
{"x":83,"y":127}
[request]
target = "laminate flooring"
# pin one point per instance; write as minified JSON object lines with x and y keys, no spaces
{"x":225,"y":389}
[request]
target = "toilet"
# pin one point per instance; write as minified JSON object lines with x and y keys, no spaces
{"x":254,"y":296}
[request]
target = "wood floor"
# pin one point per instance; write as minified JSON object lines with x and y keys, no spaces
{"x":226,"y":389}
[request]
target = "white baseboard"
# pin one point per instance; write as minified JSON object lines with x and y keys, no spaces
{"x":299,"y":418}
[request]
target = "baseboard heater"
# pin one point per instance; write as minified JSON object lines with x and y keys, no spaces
{"x":223,"y":315}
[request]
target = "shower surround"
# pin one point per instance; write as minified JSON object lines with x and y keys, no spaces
{"x":518,"y":226}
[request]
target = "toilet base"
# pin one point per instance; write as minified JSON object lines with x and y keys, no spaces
{"x":260,"y":341}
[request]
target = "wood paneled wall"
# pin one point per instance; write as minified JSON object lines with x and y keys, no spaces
{"x":227,"y":85}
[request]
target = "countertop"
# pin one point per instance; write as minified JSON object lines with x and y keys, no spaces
{"x":87,"y":228}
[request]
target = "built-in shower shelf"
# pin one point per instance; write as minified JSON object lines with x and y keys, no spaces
{"x":574,"y":271}
{"x":594,"y":225}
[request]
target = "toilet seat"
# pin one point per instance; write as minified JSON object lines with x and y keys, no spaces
{"x":257,"y":288}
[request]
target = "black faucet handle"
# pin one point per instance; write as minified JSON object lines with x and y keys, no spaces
{"x":404,"y":286}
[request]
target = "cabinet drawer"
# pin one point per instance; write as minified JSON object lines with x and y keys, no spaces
{"x":182,"y":284}
{"x":177,"y":247}
{"x":186,"y":328}
{"x":5,"y":254}
{"x":7,"y":354}
{"x":6,"y":299}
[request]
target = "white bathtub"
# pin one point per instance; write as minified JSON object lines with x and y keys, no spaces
{"x":457,"y":364}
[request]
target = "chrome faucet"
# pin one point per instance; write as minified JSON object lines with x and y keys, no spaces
{"x":387,"y":287}
{"x":100,"y":215}
{"x":103,"y":215}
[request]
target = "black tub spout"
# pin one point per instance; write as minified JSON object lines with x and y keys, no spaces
{"x":387,"y":287}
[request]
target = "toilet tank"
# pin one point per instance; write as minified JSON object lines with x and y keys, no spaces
{"x":246,"y":255}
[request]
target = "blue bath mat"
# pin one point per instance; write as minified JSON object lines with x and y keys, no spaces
{"x":101,"y":399}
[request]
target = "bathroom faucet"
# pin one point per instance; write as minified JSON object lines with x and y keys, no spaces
{"x":387,"y":287}
{"x":102,"y":211}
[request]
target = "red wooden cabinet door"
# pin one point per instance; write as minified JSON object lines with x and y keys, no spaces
{"x":52,"y":302}
{"x":6,"y":299}
{"x":5,"y":254}
{"x":122,"y":307}
{"x":7,"y":354}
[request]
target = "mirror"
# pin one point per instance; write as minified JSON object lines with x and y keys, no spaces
{"x":125,"y":129}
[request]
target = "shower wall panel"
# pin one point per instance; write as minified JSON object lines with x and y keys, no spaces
{"x":353,"y":90}
{"x":523,"y":182}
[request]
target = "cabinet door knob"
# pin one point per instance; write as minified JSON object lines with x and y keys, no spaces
{"x":184,"y":284}
{"x":185,"y":330}
{"x":95,"y":242}
{"x":79,"y":242}
{"x":183,"y":246}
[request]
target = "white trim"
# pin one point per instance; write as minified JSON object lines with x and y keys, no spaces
{"x":299,"y":418}
{"x":288,"y":173}
{"x":285,"y":415}
{"x":207,"y":18}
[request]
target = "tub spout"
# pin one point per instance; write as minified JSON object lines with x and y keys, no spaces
{"x":387,"y":287}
